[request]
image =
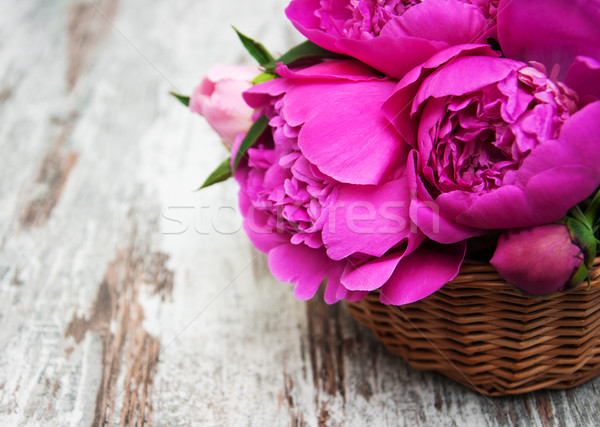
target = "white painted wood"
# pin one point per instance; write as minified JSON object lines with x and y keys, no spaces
{"x":96,"y":162}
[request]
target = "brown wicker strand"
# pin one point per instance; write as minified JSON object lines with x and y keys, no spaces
{"x":487,"y":335}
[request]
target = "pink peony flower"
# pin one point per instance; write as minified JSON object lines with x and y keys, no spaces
{"x":219,"y":99}
{"x":540,"y":260}
{"x":497,"y":143}
{"x":321,"y":205}
{"x":393,"y":35}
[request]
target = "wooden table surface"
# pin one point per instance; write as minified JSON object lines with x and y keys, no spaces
{"x":126,"y":298}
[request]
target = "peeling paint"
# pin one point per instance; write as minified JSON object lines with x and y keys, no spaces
{"x":52,"y":176}
{"x":5,"y":95}
{"x":87,"y":25}
{"x":128,"y":351}
{"x":326,"y":346}
{"x":544,"y":409}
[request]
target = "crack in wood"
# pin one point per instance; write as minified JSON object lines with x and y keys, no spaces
{"x":128,"y":350}
{"x":5,"y":95}
{"x":544,"y":408}
{"x":288,"y":386}
{"x":87,"y":25}
{"x":16,"y":280}
{"x":326,"y":346}
{"x":159,"y":275}
{"x":324,"y":416}
{"x":50,"y":182}
{"x":366,"y":390}
{"x":100,"y":318}
{"x":55,"y":388}
{"x":438,"y":401}
{"x":326,"y":351}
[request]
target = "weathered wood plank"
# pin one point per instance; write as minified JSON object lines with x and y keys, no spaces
{"x":50,"y":181}
{"x":125,"y":297}
{"x":88,"y":23}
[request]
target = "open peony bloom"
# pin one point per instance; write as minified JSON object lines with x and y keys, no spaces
{"x":219,"y":99}
{"x":325,"y":203}
{"x":454,"y":118}
{"x":540,"y":260}
{"x":498,"y":143}
{"x":393,"y":36}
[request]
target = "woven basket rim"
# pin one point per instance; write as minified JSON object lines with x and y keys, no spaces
{"x":492,"y":337}
{"x":483,"y":272}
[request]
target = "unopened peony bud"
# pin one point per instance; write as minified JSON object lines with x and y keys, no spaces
{"x":540,"y":260}
{"x":219,"y":99}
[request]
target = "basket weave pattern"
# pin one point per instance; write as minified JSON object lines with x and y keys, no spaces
{"x":484,"y":334}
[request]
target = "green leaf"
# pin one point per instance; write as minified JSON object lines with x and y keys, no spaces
{"x":185,"y":100}
{"x":258,"y":127}
{"x":220,"y":174}
{"x":592,"y":212}
{"x":264,"y":77}
{"x":578,"y":214}
{"x":303,"y":51}
{"x":257,"y":50}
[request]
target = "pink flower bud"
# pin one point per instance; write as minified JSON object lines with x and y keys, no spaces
{"x":219,"y":99}
{"x":540,"y":260}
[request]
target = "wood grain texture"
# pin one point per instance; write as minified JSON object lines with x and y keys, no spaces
{"x":128,"y":299}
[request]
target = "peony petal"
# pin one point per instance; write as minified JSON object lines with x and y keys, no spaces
{"x":340,"y":70}
{"x":259,"y":95}
{"x":255,"y":224}
{"x":401,"y":45}
{"x":584,"y":78}
{"x":547,"y":198}
{"x":354,"y":296}
{"x":372,"y":274}
{"x":449,"y":21}
{"x":300,"y":265}
{"x":350,"y":70}
{"x":397,"y":107}
{"x":426,"y":215}
{"x":302,"y":15}
{"x":345,"y":133}
{"x":456,"y":78}
{"x":504,"y":207}
{"x":369,"y":220}
{"x":552,"y":32}
{"x":423,"y":272}
{"x":425,"y":212}
{"x":377,"y":52}
{"x":393,"y":56}
{"x":334,"y":291}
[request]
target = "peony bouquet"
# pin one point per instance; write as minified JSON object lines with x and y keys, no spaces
{"x":406,"y":135}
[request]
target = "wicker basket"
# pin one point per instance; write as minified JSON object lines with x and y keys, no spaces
{"x":484,"y":334}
